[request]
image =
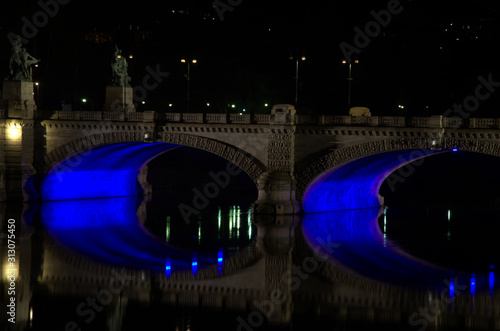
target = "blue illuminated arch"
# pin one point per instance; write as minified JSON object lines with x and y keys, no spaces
{"x":355,"y":184}
{"x":99,"y":172}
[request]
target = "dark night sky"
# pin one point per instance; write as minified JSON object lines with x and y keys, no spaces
{"x":242,"y":62}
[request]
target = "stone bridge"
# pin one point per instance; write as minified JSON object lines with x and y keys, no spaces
{"x":294,"y":160}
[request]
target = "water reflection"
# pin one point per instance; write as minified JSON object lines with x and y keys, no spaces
{"x":369,"y":278}
{"x":113,"y":231}
{"x":365,"y":250}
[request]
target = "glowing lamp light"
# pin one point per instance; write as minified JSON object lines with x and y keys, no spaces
{"x":491,"y":282}
{"x":168,"y":268}
{"x":473,"y":285}
{"x":194,"y":265}
{"x":454,"y":150}
{"x":452,"y":288}
{"x":220,"y":261}
{"x":14,"y":133}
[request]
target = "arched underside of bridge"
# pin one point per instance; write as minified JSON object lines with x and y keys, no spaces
{"x":105,"y":171}
{"x":106,"y":166}
{"x":350,"y":178}
{"x":355,"y":184}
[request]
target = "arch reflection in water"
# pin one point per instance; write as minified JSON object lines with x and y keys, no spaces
{"x":109,"y":230}
{"x":362,"y":250}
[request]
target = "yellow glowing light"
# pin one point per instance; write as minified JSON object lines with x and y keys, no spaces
{"x":10,"y":272}
{"x":14,"y":133}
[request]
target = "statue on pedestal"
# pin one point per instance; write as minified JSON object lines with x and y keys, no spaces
{"x":120,"y":70}
{"x":119,"y":95}
{"x":20,"y":62}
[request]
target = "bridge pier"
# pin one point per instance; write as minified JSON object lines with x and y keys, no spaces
{"x":276,"y":194}
{"x":20,"y":142}
{"x":142,"y":179}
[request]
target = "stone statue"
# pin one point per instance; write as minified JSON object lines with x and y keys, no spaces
{"x":120,"y":70}
{"x":20,"y":62}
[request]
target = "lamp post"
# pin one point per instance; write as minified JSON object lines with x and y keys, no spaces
{"x":188,"y":77}
{"x":349,"y":79}
{"x":303,"y":58}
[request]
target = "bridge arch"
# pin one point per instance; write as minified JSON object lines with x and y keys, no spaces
{"x":350,"y":177}
{"x":85,"y":154}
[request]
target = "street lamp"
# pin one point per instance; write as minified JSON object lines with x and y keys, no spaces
{"x":188,"y":76}
{"x":303,"y":58}
{"x":37,"y":85}
{"x":349,"y":79}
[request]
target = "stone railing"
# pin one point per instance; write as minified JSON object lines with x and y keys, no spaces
{"x":301,"y":120}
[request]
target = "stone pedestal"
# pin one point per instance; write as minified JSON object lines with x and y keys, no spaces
{"x":276,"y":194}
{"x":119,"y":99}
{"x":17,"y":99}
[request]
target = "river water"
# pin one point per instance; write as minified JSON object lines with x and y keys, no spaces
{"x":346,"y":270}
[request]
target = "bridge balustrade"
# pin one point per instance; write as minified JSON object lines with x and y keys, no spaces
{"x":425,"y":122}
{"x":307,"y":119}
{"x":192,"y":117}
{"x":335,"y":120}
{"x":68,"y":115}
{"x":91,"y":115}
{"x":216,"y":118}
{"x":452,"y":122}
{"x":237,"y":118}
{"x":172,"y":117}
{"x":136,"y":117}
{"x":484,"y":123}
{"x":210,"y":118}
{"x":262,"y":118}
{"x":113,"y":116}
{"x":391,"y":121}
{"x":364,"y":120}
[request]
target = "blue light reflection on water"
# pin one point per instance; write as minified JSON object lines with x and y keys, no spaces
{"x":109,"y":230}
{"x":356,"y":184}
{"x":104,"y":171}
{"x":362,"y":252}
